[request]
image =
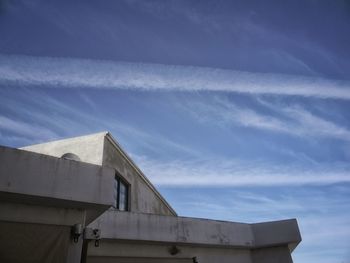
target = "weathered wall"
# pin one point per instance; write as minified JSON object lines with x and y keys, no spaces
{"x":41,"y":198}
{"x":112,"y":251}
{"x":143,"y":198}
{"x":276,"y":233}
{"x":21,"y":222}
{"x":170,"y":229}
{"x":23,"y":242}
{"x":147,"y":236}
{"x":42,"y":176}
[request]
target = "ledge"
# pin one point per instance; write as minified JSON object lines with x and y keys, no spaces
{"x":37,"y":179}
{"x":138,"y":227}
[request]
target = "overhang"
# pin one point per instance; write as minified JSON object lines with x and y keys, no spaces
{"x":41,"y":180}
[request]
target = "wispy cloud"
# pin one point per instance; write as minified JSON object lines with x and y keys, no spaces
{"x":292,"y":120}
{"x":43,"y":118}
{"x":228,"y":173}
{"x":84,"y":73}
{"x":25,"y":129}
{"x":310,"y":124}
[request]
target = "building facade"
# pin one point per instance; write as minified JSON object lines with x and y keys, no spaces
{"x":84,"y":200}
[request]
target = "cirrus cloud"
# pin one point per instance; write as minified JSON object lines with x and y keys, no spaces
{"x":101,"y":74}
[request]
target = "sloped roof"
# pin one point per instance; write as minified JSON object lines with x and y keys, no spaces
{"x":61,"y":147}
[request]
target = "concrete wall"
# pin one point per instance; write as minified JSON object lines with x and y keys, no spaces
{"x":102,"y":149}
{"x":41,"y":198}
{"x":121,"y":251}
{"x":144,"y":198}
{"x":279,"y":254}
{"x":41,"y":176}
{"x":34,"y":233}
{"x":29,"y":243}
{"x":89,"y":148}
{"x":202,"y":232}
{"x":114,"y":251}
{"x":147,"y":237}
{"x":276,"y":233}
{"x":170,"y":229}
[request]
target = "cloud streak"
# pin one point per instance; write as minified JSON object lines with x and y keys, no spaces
{"x":24,"y":129}
{"x":98,"y":74}
{"x":44,"y":118}
{"x":231,"y":173}
{"x":293,"y":120}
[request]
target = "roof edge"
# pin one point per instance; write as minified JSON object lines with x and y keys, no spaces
{"x":102,"y":133}
{"x":109,"y":136}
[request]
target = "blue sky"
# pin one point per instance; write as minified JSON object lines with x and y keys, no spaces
{"x":236,"y":110}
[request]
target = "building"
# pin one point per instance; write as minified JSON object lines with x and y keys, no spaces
{"x":84,"y":200}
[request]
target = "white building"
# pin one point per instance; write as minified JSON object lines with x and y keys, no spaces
{"x":84,"y":200}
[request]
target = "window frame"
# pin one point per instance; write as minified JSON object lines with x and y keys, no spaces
{"x":118,"y":181}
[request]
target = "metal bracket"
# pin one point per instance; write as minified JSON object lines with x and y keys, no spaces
{"x":93,"y":234}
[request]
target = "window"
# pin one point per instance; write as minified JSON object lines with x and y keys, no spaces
{"x":121,"y":190}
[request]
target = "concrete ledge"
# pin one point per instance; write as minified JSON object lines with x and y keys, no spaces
{"x":37,"y":175}
{"x":193,"y":231}
{"x":284,"y":232}
{"x":172,"y":229}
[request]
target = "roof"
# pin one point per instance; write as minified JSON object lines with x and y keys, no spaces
{"x":45,"y":148}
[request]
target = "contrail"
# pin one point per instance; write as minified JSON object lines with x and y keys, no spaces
{"x":21,"y":70}
{"x":200,"y":173}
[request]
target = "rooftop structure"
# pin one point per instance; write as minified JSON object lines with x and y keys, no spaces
{"x":84,"y":200}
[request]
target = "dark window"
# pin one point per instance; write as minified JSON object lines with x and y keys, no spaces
{"x":121,"y":194}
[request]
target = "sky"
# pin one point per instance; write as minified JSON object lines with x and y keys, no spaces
{"x":235,"y":110}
